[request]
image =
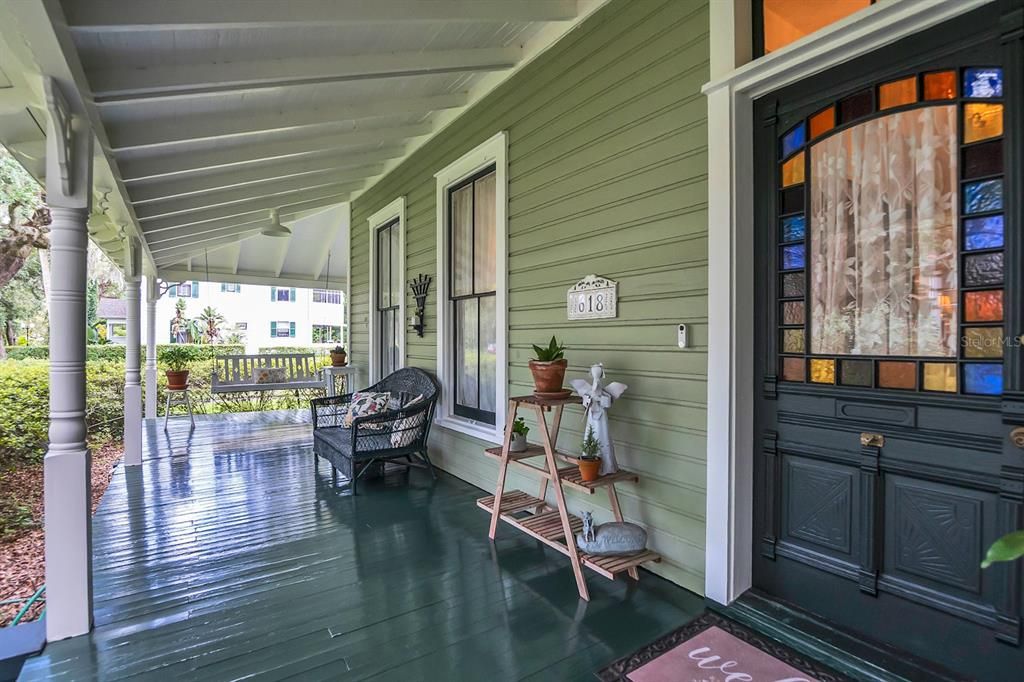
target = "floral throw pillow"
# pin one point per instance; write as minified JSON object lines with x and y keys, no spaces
{"x":406,"y":431}
{"x":270,"y":375}
{"x":365,"y":403}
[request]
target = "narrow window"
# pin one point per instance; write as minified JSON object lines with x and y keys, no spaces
{"x":389,"y":297}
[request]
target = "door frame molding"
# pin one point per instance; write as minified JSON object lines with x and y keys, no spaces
{"x":736,"y":83}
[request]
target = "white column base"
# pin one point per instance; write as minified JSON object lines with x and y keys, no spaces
{"x":150,"y":393}
{"x":132,"y":425}
{"x":68,"y":531}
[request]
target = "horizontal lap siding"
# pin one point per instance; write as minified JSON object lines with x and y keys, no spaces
{"x":607,"y":175}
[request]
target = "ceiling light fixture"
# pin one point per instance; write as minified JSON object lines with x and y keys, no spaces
{"x":275,"y":228}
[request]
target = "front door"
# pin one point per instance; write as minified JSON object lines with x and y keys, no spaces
{"x":890,"y":250}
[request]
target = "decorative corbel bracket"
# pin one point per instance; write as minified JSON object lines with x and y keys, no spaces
{"x":60,"y":115}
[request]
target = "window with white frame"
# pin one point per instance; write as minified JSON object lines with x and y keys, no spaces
{"x":472,"y":290}
{"x":230,"y":287}
{"x":326,"y":333}
{"x":284,"y":295}
{"x":282,"y":329}
{"x":326,"y":296}
{"x":387,"y":289}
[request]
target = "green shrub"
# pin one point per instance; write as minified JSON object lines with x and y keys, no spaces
{"x":24,"y":411}
{"x":112,"y":351}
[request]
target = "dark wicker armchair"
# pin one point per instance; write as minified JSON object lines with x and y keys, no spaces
{"x":371,"y":440}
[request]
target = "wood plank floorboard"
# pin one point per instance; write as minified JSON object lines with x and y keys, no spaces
{"x":226,"y":556}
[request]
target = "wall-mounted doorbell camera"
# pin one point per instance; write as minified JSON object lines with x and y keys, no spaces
{"x":682,"y":336}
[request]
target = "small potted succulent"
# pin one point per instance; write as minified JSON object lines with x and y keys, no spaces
{"x":177,"y":358}
{"x":519,"y":433}
{"x":548,"y":368}
{"x":339,"y":358}
{"x":590,"y":460}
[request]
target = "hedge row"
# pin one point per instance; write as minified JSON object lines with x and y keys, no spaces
{"x":112,"y":351}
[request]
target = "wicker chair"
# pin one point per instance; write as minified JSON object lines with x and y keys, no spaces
{"x":364,"y":446}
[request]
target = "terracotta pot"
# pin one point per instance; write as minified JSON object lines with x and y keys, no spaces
{"x":339,"y":359}
{"x":548,"y":376}
{"x":590,"y":469}
{"x":177,"y":380}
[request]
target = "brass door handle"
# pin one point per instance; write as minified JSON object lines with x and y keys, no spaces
{"x":1017,"y":437}
{"x":872,"y":440}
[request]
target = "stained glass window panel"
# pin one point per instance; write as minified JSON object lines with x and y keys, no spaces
{"x":982,"y":121}
{"x":897,"y":93}
{"x":793,"y":140}
{"x":822,"y":122}
{"x":883,"y":265}
{"x":823,"y":371}
{"x":983,"y":269}
{"x":793,"y":284}
{"x":897,"y":374}
{"x":794,"y":228}
{"x":792,"y":257}
{"x":983,"y":233}
{"x":983,"y":306}
{"x":792,"y":369}
{"x":940,"y":85}
{"x":856,"y":372}
{"x":793,"y":171}
{"x":983,"y":82}
{"x":983,"y":159}
{"x":792,"y":340}
{"x":983,"y":342}
{"x":983,"y":378}
{"x":981,"y":197}
{"x":792,"y":200}
{"x":940,"y":376}
{"x":793,"y":313}
{"x":856,"y":106}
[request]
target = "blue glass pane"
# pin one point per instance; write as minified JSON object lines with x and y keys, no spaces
{"x":983,"y":233}
{"x":983,"y":82}
{"x":793,"y":228}
{"x":793,"y":140}
{"x":793,"y":257}
{"x":983,"y":377}
{"x":983,"y":196}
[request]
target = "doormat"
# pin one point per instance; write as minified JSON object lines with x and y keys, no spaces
{"x":711,"y":648}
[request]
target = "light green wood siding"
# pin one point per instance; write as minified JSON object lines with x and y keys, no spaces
{"x":608,"y":175}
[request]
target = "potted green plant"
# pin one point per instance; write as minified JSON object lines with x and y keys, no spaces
{"x":519,"y":433}
{"x":177,"y":358}
{"x":548,"y":368}
{"x":590,"y":461}
{"x":339,"y":358}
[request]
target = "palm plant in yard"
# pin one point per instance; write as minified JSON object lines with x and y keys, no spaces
{"x":210,"y":322}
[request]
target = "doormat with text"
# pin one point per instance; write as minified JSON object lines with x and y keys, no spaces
{"x":711,"y":648}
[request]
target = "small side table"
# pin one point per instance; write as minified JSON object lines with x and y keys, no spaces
{"x":178,"y":396}
{"x":351,"y":374}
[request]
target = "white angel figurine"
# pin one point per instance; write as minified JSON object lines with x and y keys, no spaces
{"x":597,"y":398}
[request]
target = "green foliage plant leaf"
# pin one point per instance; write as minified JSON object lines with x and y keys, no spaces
{"x":554,"y":351}
{"x":1007,"y":548}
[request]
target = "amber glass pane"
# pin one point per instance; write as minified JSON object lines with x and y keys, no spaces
{"x":823,"y":121}
{"x":892,"y":374}
{"x":982,"y":121}
{"x":869,"y":246}
{"x":793,"y":171}
{"x":940,"y":376}
{"x":792,"y":340}
{"x":983,"y":306}
{"x":983,"y":342}
{"x":940,"y":85}
{"x":856,"y":372}
{"x":897,"y":93}
{"x":789,"y":20}
{"x":792,"y":369}
{"x":823,"y":371}
{"x":793,"y":312}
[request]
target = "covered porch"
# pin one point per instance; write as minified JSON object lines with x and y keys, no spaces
{"x":226,"y":555}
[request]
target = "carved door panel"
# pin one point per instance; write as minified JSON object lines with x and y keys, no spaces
{"x":888,"y":342}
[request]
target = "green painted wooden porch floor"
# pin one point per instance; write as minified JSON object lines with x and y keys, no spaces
{"x":224,"y":557}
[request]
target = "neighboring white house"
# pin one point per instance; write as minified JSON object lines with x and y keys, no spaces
{"x":261,"y":316}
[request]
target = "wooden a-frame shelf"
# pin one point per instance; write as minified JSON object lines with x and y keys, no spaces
{"x":554,"y":525}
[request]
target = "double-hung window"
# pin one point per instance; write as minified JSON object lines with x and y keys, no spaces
{"x":389,"y":297}
{"x":326,"y":296}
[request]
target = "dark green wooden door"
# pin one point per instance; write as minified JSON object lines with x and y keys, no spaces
{"x":890,"y":250}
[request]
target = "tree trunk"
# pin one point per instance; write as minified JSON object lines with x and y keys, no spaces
{"x":3,"y":348}
{"x":44,"y":268}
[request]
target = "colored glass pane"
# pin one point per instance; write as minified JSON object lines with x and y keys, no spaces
{"x":984,"y":196}
{"x":983,"y":233}
{"x":856,"y":372}
{"x":793,"y":171}
{"x":786,"y":21}
{"x":792,"y":200}
{"x":794,"y":139}
{"x":940,"y":85}
{"x":983,"y":269}
{"x":855,"y":106}
{"x":792,"y":369}
{"x":822,"y":122}
{"x":939,"y":376}
{"x":983,"y":378}
{"x":982,"y":121}
{"x":794,"y":228}
{"x":793,"y":284}
{"x":983,"y":342}
{"x":793,"y":312}
{"x":792,"y":340}
{"x":823,"y":371}
{"x":897,"y":93}
{"x":983,"y":159}
{"x":983,"y":306}
{"x":983,"y":82}
{"x":897,"y":374}
{"x":792,"y":257}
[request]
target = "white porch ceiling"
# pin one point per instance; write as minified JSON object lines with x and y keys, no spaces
{"x":210,"y":113}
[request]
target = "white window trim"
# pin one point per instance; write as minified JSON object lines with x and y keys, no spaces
{"x":731,"y":383}
{"x":493,"y":151}
{"x":396,"y":209}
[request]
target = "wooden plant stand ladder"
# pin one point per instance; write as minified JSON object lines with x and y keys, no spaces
{"x":554,"y":526}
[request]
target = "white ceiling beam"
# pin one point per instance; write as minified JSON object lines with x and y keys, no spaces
{"x":253,"y":210}
{"x":176,"y":272}
{"x":176,"y":81}
{"x":158,"y":132}
{"x":236,"y":257}
{"x":184,"y":251}
{"x":282,"y":253}
{"x":329,"y":239}
{"x":170,"y":238}
{"x":183,"y":15}
{"x":143,"y":166}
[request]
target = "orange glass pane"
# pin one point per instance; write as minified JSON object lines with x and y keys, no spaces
{"x":789,"y":20}
{"x":897,"y":93}
{"x":940,"y":85}
{"x":793,"y":171}
{"x":940,"y":376}
{"x":823,"y":371}
{"x":823,"y":121}
{"x":983,"y":306}
{"x":982,"y":121}
{"x":897,"y":374}
{"x":792,"y":369}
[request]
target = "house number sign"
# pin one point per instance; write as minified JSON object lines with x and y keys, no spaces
{"x":592,"y":298}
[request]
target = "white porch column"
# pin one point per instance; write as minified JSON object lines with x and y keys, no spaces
{"x":66,"y":467}
{"x":152,"y":295}
{"x":132,"y":375}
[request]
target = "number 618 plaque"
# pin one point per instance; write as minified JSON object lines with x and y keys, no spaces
{"x":592,"y":298}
